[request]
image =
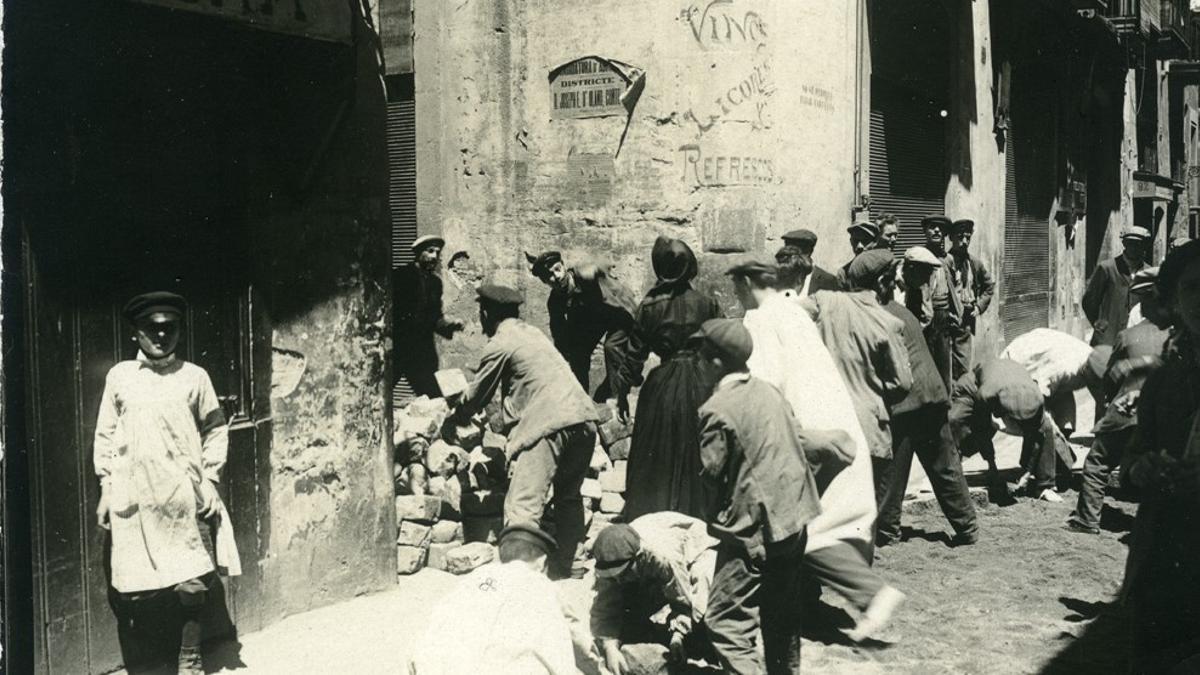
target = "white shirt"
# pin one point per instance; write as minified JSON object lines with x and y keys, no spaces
{"x":502,"y":618}
{"x":1054,"y":359}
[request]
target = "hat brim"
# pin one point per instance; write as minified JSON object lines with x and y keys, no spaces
{"x":612,"y":571}
{"x":427,"y":241}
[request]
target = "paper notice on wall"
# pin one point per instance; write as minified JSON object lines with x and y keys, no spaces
{"x":594,"y":87}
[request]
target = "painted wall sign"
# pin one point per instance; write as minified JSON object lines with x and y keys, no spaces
{"x":318,"y":19}
{"x":594,"y":87}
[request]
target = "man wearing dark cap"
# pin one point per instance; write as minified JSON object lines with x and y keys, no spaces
{"x":548,"y":418}
{"x":1002,"y":388}
{"x":501,"y":617}
{"x":866,"y":344}
{"x":920,"y":427}
{"x":797,"y":271}
{"x":418,"y":316}
{"x":587,"y":305}
{"x":160,"y":444}
{"x":1107,"y":300}
{"x":863,"y":235}
{"x":974,"y":286}
{"x":659,"y":559}
{"x":1136,"y":354}
{"x":765,"y":497}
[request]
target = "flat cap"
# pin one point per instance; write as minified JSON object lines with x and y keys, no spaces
{"x":531,"y":533}
{"x":752,"y":265}
{"x":614,"y":550}
{"x":922,"y":255}
{"x":497,"y":294}
{"x":962,"y":225}
{"x":427,"y":240}
{"x":800,"y":237}
{"x":1137,"y":232}
{"x":540,"y":265}
{"x":867,"y":266}
{"x":156,"y":302}
{"x":729,"y":337}
{"x":1143,"y":280}
{"x":942,"y":222}
{"x":864,"y":227}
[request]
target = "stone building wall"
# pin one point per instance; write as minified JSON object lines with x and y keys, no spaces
{"x":745,"y":129}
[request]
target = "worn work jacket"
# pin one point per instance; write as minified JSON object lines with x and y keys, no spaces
{"x":974,"y":285}
{"x":1107,"y":300}
{"x":867,"y":346}
{"x":417,"y":312}
{"x":160,"y":431}
{"x":675,"y":564}
{"x":539,"y":394}
{"x":593,"y":307}
{"x":1143,"y":343}
{"x":927,"y":387}
{"x":752,"y":456}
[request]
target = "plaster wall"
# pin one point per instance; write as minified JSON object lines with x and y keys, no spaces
{"x":746,"y":129}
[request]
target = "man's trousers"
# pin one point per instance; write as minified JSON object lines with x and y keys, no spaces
{"x":1105,"y":455}
{"x":925,"y":432}
{"x":560,"y":461}
{"x":961,"y":350}
{"x":748,"y":596}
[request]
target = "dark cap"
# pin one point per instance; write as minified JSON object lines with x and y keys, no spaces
{"x":962,"y":225}
{"x":752,"y":266}
{"x":530,"y":533}
{"x":729,"y":337}
{"x":614,"y":550}
{"x":867,"y":266}
{"x":541,"y":264}
{"x":498,"y":295}
{"x":163,"y":302}
{"x":942,"y":222}
{"x":800,"y":237}
{"x":865,"y":227}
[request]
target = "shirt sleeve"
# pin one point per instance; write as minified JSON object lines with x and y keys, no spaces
{"x":214,"y":432}
{"x":607,"y":609}
{"x":1093,"y":296}
{"x":487,"y":378}
{"x":108,"y":432}
{"x":714,"y":445}
{"x":986,"y":287}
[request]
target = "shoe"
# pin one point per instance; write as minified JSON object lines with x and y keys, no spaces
{"x":1049,"y":495}
{"x":878,"y":615}
{"x":965,"y":538}
{"x":190,"y":662}
{"x":1076,"y":526}
{"x":1022,"y":483}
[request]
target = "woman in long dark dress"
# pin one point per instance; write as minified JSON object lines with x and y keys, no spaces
{"x":664,"y":458}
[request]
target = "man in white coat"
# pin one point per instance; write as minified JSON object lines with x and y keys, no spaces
{"x":789,"y":353}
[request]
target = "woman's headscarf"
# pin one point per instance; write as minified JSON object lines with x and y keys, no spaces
{"x":673,"y":262}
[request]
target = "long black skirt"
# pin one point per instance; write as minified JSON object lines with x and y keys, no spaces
{"x":664,"y":459}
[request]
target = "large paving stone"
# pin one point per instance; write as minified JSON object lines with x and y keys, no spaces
{"x":620,"y":450}
{"x":413,"y":534}
{"x":613,"y":480}
{"x":438,"y":553}
{"x":612,"y":503}
{"x":446,"y":531}
{"x":419,"y":508}
{"x":467,"y":557}
{"x":591,"y":489}
{"x":409,"y":559}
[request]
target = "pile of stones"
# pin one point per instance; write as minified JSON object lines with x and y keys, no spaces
{"x":451,"y":478}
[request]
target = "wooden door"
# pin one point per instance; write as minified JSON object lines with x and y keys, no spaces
{"x":73,"y":336}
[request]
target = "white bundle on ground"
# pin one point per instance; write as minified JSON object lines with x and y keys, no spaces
{"x":1054,"y":359}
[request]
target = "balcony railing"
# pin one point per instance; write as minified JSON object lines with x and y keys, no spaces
{"x":1126,"y":18}
{"x":1173,"y":35}
{"x":1163,"y":23}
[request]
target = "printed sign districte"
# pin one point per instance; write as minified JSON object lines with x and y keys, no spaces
{"x":319,"y":19}
{"x":594,"y":87}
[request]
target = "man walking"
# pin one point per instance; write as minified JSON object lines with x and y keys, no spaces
{"x":975,"y":288}
{"x":418,"y":316}
{"x":1107,"y":301}
{"x":766,"y":495}
{"x":814,"y":278}
{"x":1136,"y":353}
{"x":920,"y":427}
{"x":548,"y":418}
{"x":586,"y":306}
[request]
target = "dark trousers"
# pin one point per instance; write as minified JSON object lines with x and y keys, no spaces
{"x":937,"y":337}
{"x":925,"y":432}
{"x":961,"y":349}
{"x":1105,"y":455}
{"x":1043,"y":447}
{"x":843,"y":569}
{"x":748,"y":596}
{"x":561,"y":461}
